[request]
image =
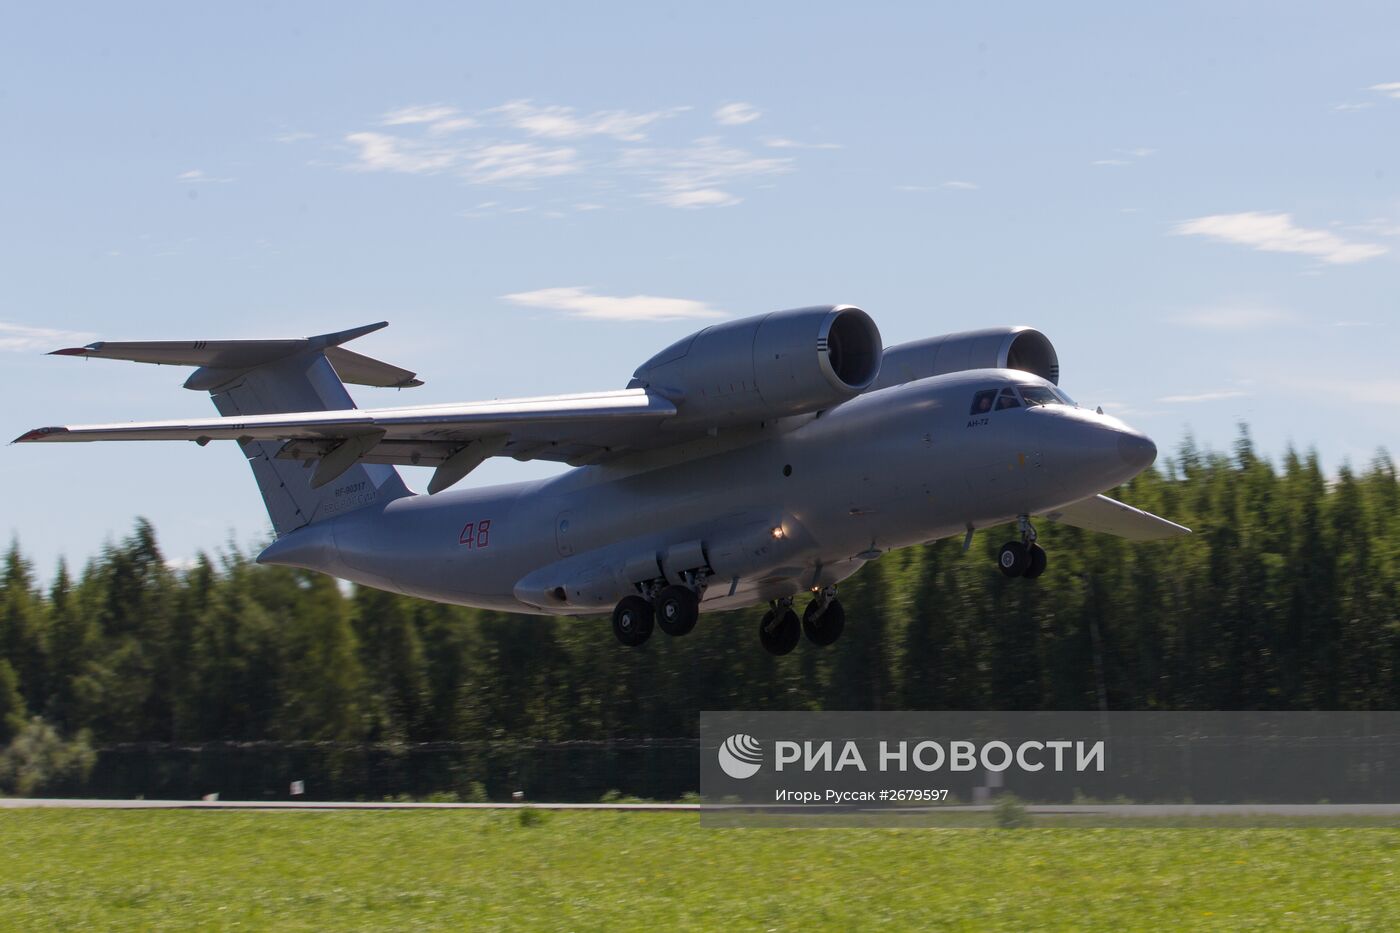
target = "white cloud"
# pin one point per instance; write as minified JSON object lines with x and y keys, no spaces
{"x":1391,"y":89}
{"x":579,"y":301}
{"x":422,"y":113}
{"x":1236,"y":318}
{"x":381,"y":152}
{"x":555,"y":122}
{"x":517,"y":162}
{"x":1202,"y":397}
{"x":1277,"y":233}
{"x":782,"y":142}
{"x":1345,"y":107}
{"x":493,"y":163}
{"x":697,"y":197}
{"x":436,"y":119}
{"x":737,"y":114}
{"x":1125,"y":156}
{"x":21,"y":338}
{"x":960,"y":185}
{"x":198,"y":175}
{"x":451,"y":125}
{"x":697,"y":176}
{"x":295,"y":136}
{"x":510,"y":145}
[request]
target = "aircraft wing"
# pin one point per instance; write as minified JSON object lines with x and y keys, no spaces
{"x":574,"y":429}
{"x":1100,"y":513}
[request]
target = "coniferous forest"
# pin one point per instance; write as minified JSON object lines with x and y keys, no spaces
{"x":127,"y":677}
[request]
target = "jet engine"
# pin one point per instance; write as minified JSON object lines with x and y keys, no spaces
{"x":1023,"y":348}
{"x":783,"y":363}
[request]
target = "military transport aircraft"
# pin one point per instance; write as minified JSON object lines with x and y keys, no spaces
{"x":751,"y":461}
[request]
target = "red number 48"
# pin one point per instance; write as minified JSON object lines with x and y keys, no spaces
{"x":475,"y":534}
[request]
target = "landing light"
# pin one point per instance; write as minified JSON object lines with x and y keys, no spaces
{"x":778,"y":533}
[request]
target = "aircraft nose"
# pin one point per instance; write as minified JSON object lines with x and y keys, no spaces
{"x":1136,"y":450}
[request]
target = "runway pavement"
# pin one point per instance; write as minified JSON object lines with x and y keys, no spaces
{"x":1137,"y":810}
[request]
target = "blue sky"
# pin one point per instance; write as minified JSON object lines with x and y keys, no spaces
{"x":1199,"y":204}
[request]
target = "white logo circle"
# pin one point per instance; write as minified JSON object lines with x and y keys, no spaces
{"x":741,"y":756}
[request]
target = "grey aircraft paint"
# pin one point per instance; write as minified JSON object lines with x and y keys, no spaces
{"x":739,"y":467}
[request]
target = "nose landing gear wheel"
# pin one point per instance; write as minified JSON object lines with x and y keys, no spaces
{"x":823,"y":627}
{"x":677,"y":609}
{"x":1014,"y":559}
{"x":632,"y":621}
{"x":779,"y":631}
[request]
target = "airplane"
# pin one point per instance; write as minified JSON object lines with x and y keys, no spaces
{"x":749,"y":462}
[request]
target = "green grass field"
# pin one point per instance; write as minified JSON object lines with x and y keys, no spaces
{"x":484,"y":870}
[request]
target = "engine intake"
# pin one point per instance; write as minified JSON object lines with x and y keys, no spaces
{"x":783,"y":363}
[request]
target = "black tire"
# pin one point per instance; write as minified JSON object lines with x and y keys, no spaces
{"x":1037,"y":562}
{"x":824,"y":629}
{"x":677,"y":609}
{"x":779,"y":633}
{"x":1014,"y":559}
{"x":632,"y":621}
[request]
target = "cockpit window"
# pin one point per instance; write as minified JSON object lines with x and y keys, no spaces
{"x":1040,"y":395}
{"x":1008,"y":399}
{"x":982,"y":401}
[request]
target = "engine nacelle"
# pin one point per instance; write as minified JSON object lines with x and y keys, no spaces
{"x":1023,"y":348}
{"x":783,"y":363}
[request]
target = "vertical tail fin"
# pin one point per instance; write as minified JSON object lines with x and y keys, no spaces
{"x":262,"y":377}
{"x":303,"y":382}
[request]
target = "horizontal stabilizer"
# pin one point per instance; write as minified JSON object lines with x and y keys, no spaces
{"x":1109,"y":516}
{"x":221,"y":359}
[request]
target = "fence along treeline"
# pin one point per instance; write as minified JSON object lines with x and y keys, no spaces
{"x":1286,"y":597}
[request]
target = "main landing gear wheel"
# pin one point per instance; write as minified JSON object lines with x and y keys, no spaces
{"x":823,"y":626}
{"x":632,"y":621}
{"x":1014,"y":559}
{"x":677,"y":609}
{"x":779,"y":631}
{"x":1037,"y":562}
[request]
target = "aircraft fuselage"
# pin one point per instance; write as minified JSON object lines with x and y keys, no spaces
{"x":792,"y":504}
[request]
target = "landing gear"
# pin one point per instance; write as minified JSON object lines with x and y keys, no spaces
{"x":1037,"y":565}
{"x":1022,"y":558}
{"x":632,"y":621}
{"x":780,"y":631}
{"x":824,"y":618}
{"x":1014,"y":559}
{"x":677,"y":609}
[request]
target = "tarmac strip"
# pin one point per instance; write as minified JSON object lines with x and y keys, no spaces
{"x":1110,"y":810}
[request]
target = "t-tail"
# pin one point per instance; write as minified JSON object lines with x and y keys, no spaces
{"x":262,"y":377}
